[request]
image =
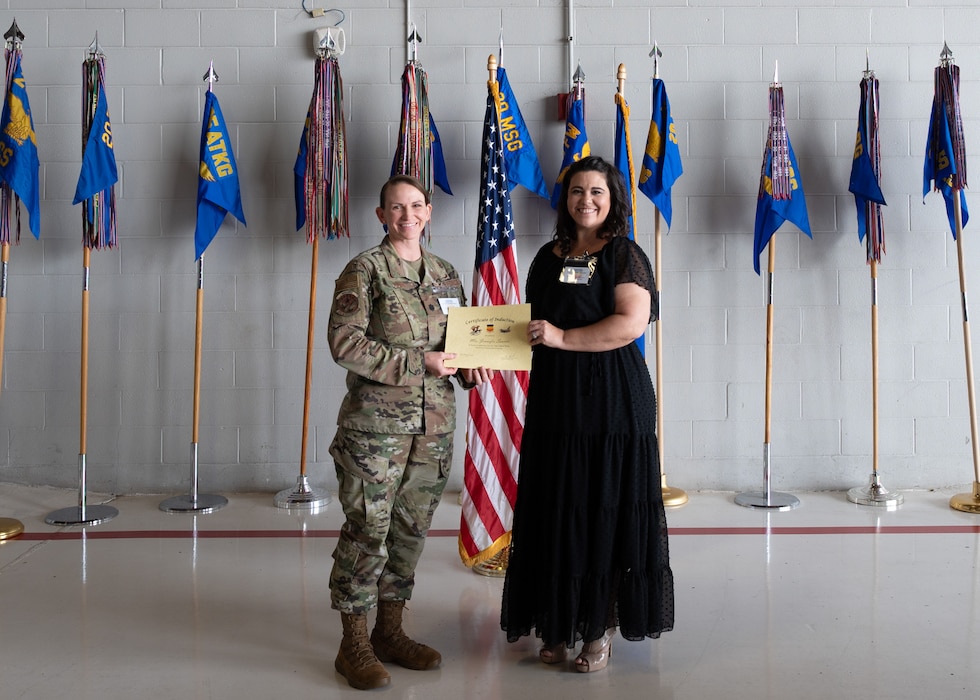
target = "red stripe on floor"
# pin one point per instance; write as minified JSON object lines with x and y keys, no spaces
{"x":89,"y":534}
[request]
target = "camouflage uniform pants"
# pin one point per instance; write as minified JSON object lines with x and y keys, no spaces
{"x":389,"y":487}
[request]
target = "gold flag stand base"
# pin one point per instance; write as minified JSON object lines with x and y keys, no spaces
{"x":673,"y":497}
{"x":967,"y":502}
{"x":495,"y":566}
{"x":10,"y":528}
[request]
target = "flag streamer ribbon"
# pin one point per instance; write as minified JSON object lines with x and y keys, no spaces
{"x":413,"y":155}
{"x":96,"y":190}
{"x":778,"y":145}
{"x":321,"y":166}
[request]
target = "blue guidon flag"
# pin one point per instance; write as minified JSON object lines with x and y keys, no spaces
{"x":218,"y":191}
{"x":576,"y":143}
{"x":19,"y":163}
{"x":523,"y":166}
{"x":945,"y":162}
{"x":661,"y":165}
{"x":780,"y":185}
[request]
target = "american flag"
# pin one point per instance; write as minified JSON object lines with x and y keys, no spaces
{"x":495,"y":421}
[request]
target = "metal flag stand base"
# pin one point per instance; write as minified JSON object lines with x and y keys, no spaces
{"x":302,"y":496}
{"x":874,"y":494}
{"x":194,"y":502}
{"x":9,"y":527}
{"x":82,"y":514}
{"x":967,"y":502}
{"x":767,"y":499}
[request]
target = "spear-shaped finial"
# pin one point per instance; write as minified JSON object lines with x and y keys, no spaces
{"x":578,"y":80}
{"x":500,"y":47}
{"x":211,"y":77}
{"x":946,"y":56}
{"x":775,"y":75}
{"x":868,"y":73}
{"x":655,"y":54}
{"x":14,"y":35}
{"x":94,"y":49}
{"x":413,"y":41}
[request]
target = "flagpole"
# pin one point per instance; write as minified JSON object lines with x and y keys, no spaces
{"x":195,"y":502}
{"x":768,"y":499}
{"x":874,"y":494}
{"x":9,"y":527}
{"x":673,"y":497}
{"x":84,"y":514}
{"x":967,"y":502}
{"x":303,"y":496}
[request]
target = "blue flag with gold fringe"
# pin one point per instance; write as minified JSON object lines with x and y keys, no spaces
{"x":19,"y":163}
{"x":942,"y":161}
{"x":576,"y":144}
{"x":771,"y":213}
{"x":218,"y":191}
{"x":661,"y":164}
{"x":523,"y":166}
{"x":864,"y":184}
{"x":98,"y":160}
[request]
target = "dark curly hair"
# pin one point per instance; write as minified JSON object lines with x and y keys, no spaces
{"x":617,"y":221}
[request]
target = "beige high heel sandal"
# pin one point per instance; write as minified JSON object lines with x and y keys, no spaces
{"x":554,"y":654}
{"x":595,"y":655}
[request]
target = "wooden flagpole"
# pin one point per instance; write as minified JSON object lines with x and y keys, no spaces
{"x":967,"y":502}
{"x":768,"y":499}
{"x":874,"y":494}
{"x":195,"y":502}
{"x":303,"y":496}
{"x":673,"y":497}
{"x":9,"y":527}
{"x":84,"y":514}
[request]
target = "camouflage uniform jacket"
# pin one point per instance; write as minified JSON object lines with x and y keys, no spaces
{"x":381,"y":323}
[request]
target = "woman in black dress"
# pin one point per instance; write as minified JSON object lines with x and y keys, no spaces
{"x":589,"y":548}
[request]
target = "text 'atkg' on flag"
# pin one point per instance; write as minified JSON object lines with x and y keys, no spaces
{"x":218,"y":191}
{"x":781,"y":196}
{"x":661,"y":165}
{"x":945,"y":161}
{"x":19,"y":163}
{"x":523,"y":166}
{"x":495,"y":421}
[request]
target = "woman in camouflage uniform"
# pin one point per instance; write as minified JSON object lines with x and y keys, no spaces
{"x":394,"y":444}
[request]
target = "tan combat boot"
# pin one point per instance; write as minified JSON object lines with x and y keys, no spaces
{"x":392,"y":644}
{"x":356,"y":660}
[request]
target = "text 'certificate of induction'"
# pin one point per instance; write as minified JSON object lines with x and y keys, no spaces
{"x":494,"y":337}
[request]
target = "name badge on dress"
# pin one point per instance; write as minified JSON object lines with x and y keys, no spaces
{"x":578,"y":270}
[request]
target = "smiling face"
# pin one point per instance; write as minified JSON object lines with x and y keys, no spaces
{"x":405,"y":213}
{"x":588,"y":200}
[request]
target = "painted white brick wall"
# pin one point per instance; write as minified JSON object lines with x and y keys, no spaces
{"x":719,"y":56}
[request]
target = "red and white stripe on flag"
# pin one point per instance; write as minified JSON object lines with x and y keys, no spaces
{"x":495,"y":420}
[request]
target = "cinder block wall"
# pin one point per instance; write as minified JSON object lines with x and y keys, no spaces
{"x":719,"y":57}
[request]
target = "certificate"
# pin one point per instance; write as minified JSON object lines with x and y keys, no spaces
{"x":494,"y":337}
